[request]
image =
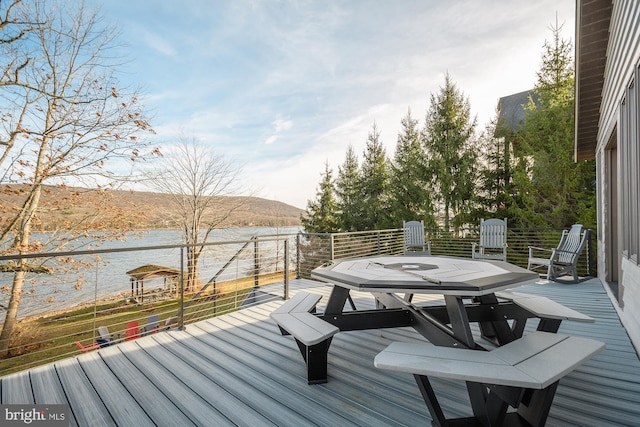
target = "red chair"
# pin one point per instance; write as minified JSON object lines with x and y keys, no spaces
{"x":87,"y":348}
{"x":133,"y":331}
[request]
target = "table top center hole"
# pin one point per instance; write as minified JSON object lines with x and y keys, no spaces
{"x":412,"y":266}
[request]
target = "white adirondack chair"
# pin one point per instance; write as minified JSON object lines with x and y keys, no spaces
{"x":564,"y":258}
{"x":106,"y":338}
{"x":414,"y":237}
{"x":493,"y":240}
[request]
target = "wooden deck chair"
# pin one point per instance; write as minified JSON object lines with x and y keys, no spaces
{"x":153,"y":324}
{"x":493,"y":240}
{"x":414,"y":237}
{"x":564,"y":258}
{"x":86,"y":348}
{"x":133,"y":331}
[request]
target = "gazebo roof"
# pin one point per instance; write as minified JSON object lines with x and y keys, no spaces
{"x":151,"y":270}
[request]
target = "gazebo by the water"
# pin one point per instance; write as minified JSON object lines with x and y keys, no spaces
{"x":169,"y":275}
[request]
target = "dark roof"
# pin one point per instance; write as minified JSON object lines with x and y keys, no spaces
{"x":511,"y":111}
{"x":592,"y":37}
{"x":151,"y":270}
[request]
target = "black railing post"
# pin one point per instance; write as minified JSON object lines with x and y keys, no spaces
{"x":331,"y":248}
{"x":215,"y":299}
{"x":589,"y":252}
{"x":286,"y":268}
{"x":256,"y":263}
{"x":298,"y":254}
{"x":181,"y":320}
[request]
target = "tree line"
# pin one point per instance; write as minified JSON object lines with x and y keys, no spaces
{"x":447,"y":174}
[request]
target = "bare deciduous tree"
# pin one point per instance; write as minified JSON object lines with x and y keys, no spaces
{"x":199,"y":182}
{"x":64,"y":117}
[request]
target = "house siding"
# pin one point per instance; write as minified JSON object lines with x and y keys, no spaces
{"x":620,"y":119}
{"x":622,"y":54}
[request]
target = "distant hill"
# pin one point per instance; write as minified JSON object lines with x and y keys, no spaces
{"x":141,"y":210}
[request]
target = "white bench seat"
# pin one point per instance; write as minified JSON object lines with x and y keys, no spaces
{"x":305,"y":327}
{"x":536,"y":361}
{"x":302,"y":302}
{"x":550,"y":313}
{"x":533,"y":361}
{"x":544,"y":307}
{"x":313,"y":335}
{"x":296,"y":318}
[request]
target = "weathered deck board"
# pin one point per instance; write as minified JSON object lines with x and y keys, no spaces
{"x":86,"y":405}
{"x":47,"y":388}
{"x":156,"y":389}
{"x":17,"y":389}
{"x":113,"y":392}
{"x":233,"y":406}
{"x":238,"y":369}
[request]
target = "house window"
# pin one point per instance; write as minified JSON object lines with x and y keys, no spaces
{"x":629,"y":151}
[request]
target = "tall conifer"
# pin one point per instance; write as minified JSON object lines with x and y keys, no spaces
{"x":349,"y":195}
{"x":321,"y":216}
{"x":564,"y":192}
{"x":447,"y":138}
{"x":374,"y":183}
{"x":409,"y":184}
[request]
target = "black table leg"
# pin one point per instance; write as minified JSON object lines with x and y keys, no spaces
{"x":315,"y":356}
{"x":431,"y":400}
{"x":497,"y":331}
{"x":337,"y":300}
{"x":459,"y":319}
{"x":536,"y":405}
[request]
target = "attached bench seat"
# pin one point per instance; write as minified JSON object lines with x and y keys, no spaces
{"x":535,"y":362}
{"x":550,"y":313}
{"x":313,"y":335}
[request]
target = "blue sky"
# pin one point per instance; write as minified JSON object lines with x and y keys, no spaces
{"x":281,"y":87}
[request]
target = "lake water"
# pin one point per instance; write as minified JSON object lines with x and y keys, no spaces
{"x":107,"y":276}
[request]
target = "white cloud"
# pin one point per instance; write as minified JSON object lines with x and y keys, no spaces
{"x":282,"y":125}
{"x":271,"y":139}
{"x":285,"y":86}
{"x":158,"y":43}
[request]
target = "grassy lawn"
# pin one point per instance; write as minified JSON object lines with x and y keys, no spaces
{"x":50,"y":338}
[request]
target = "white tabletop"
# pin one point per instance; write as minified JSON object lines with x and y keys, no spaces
{"x":424,"y":274}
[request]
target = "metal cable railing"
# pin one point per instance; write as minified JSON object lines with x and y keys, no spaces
{"x":317,"y":249}
{"x":68,"y":305}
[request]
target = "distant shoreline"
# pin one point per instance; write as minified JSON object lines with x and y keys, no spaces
{"x":64,"y":208}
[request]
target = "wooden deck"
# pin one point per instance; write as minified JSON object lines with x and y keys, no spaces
{"x":237,"y":369}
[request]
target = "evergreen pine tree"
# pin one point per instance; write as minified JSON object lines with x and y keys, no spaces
{"x":409,"y":188}
{"x":447,"y":140}
{"x":349,"y":195}
{"x":564,"y":192}
{"x":493,"y":171}
{"x":374,"y":183}
{"x":321,"y":216}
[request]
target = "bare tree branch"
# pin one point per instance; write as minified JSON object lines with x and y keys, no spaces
{"x":197,"y":180}
{"x":64,"y":116}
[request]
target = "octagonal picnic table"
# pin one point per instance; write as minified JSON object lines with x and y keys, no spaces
{"x":457,"y":279}
{"x":469,"y":288}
